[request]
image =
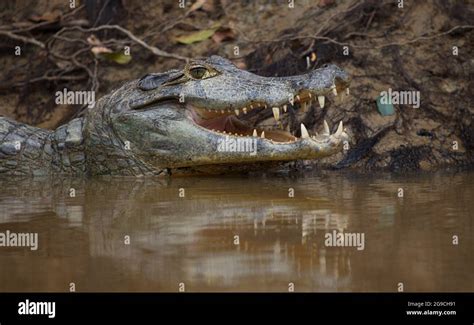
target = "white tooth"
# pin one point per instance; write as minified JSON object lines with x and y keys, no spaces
{"x":245,"y":109}
{"x":254,"y":133}
{"x":309,"y":94}
{"x":251,"y":106}
{"x":276,"y":113}
{"x":321,"y":101}
{"x":236,"y":112}
{"x":298,"y":98}
{"x":265,"y":106}
{"x":285,"y":108}
{"x":347,"y":91}
{"x":334,"y":91}
{"x":262,"y":135}
{"x":326,"y":128}
{"x":339,"y":130}
{"x":304,"y":132}
{"x":304,"y":107}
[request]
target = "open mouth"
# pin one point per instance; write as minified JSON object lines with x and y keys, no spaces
{"x":260,"y":119}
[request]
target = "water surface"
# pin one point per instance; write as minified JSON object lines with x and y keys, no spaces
{"x":183,"y":230}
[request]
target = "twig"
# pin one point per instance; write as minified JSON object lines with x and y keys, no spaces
{"x":424,"y":37}
{"x":44,"y":23}
{"x":130,"y":35}
{"x":22,"y":38}
{"x":331,"y":40}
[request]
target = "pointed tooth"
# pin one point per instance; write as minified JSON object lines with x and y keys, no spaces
{"x":251,"y":106}
{"x":347,"y":91}
{"x":304,"y":132}
{"x":326,"y":128}
{"x":245,"y":109}
{"x":254,"y":133}
{"x":334,"y":91}
{"x":309,"y":94}
{"x":236,"y":112}
{"x":276,"y":113}
{"x":285,"y":107}
{"x":321,"y":101}
{"x":304,"y":106}
{"x":298,"y":98}
{"x":265,"y":106}
{"x":262,"y":135}
{"x":340,"y":128}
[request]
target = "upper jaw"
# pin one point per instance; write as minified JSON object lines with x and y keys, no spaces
{"x":266,"y":92}
{"x":243,"y":91}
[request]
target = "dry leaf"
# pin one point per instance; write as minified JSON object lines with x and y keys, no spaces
{"x":197,"y":5}
{"x":49,"y":17}
{"x":223,"y":34}
{"x":117,"y":57}
{"x":197,"y":36}
{"x":93,"y":40}
{"x":100,"y":49}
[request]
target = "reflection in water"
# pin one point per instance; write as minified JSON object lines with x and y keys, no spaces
{"x":83,"y":224}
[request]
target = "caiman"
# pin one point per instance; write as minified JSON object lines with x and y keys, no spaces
{"x":203,"y":118}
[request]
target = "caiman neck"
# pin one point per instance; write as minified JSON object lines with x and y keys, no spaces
{"x":27,"y":150}
{"x":106,"y":153}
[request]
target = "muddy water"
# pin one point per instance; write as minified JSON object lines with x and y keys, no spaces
{"x":189,"y":236}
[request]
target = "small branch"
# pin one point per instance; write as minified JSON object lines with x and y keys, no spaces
{"x":331,"y":40}
{"x":426,"y":37}
{"x":22,"y":38}
{"x":129,"y":34}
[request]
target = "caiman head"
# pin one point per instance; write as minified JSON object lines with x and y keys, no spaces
{"x":208,"y":116}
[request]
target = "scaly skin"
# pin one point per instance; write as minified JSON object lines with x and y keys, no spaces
{"x":163,"y":123}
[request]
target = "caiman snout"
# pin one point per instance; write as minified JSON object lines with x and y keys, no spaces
{"x":212,"y":101}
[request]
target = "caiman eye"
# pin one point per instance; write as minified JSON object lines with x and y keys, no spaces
{"x":199,"y":73}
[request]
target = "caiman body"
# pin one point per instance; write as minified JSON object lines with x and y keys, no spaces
{"x":177,"y":121}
